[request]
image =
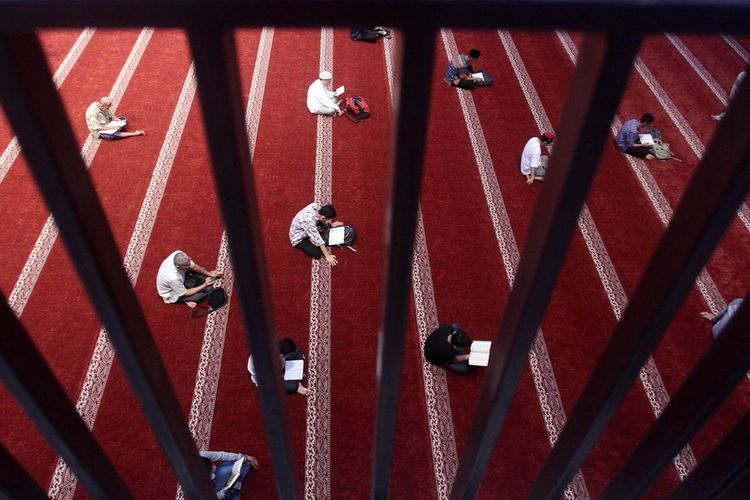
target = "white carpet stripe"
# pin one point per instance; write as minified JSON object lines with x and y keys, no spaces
{"x":318,"y":444}
{"x":21,"y":292}
{"x":14,"y":148}
{"x":63,"y":482}
{"x":548,"y":393}
{"x":651,"y":380}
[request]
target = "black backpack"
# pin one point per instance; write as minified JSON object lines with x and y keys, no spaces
{"x":217,"y":299}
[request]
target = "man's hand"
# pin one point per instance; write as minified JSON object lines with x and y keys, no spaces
{"x":337,"y":223}
{"x":253,"y":462}
{"x":708,"y":315}
{"x":331,"y":259}
{"x":215,"y":274}
{"x":529,"y":181}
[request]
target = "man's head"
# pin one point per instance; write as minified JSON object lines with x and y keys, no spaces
{"x":104,"y":102}
{"x":326,"y":77}
{"x":474,"y":53}
{"x":327,"y":212}
{"x":647,"y":119}
{"x":181,"y":260}
{"x":287,"y":346}
{"x":459,"y":338}
{"x":547,"y":137}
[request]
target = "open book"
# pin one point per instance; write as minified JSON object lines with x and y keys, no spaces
{"x":235,"y":475}
{"x":480,"y":352}
{"x":294,"y":369}
{"x":338,"y":91}
{"x":646,"y":139}
{"x":336,"y":235}
{"x":478,"y":76}
{"x":112,"y":127}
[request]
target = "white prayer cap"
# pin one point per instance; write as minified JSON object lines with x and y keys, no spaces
{"x":325,"y":75}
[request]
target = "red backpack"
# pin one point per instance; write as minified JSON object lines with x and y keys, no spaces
{"x":357,"y":108}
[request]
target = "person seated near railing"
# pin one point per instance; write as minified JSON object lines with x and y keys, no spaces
{"x":321,"y":100}
{"x":101,"y":124}
{"x":721,"y":320}
{"x":448,"y":347}
{"x":288,"y":351}
{"x":628,"y":137}
{"x":227,"y":471}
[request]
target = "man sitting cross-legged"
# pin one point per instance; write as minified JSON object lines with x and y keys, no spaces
{"x":181,"y":280}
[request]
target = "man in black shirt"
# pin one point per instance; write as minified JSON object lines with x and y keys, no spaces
{"x":447,"y":347}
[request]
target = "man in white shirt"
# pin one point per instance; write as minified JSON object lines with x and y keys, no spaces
{"x":102,"y":124}
{"x":320,"y":98}
{"x":533,"y":164}
{"x":181,"y":280}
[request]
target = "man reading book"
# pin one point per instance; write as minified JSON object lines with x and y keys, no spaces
{"x":227,"y":471}
{"x":448,"y":347}
{"x":101,"y":124}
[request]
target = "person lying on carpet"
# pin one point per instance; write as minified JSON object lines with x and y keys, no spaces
{"x":180,"y":280}
{"x":304,"y":233}
{"x":227,"y":471}
{"x":628,"y":137}
{"x":459,"y":71}
{"x":101,"y":123}
{"x":533,"y":163}
{"x":288,"y":351}
{"x":721,"y":320}
{"x":448,"y":347}
{"x":321,"y":100}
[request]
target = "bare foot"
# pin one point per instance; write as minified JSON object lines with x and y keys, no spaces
{"x":649,"y":157}
{"x":708,"y":315}
{"x":190,"y":304}
{"x":303,"y":390}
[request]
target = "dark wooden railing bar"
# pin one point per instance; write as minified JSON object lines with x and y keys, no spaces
{"x":724,"y":365}
{"x":15,"y":481}
{"x":406,"y":166}
{"x":36,"y":113}
{"x":595,"y":90}
{"x":26,"y":374}
{"x":636,"y":16}
{"x":708,"y":205}
{"x":726,"y":461}
{"x":221,"y":101}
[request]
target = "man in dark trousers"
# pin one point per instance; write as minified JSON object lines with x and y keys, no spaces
{"x":448,"y":347}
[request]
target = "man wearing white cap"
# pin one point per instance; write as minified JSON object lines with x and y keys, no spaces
{"x":321,"y":100}
{"x":102,"y":124}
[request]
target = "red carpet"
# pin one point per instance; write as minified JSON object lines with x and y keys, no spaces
{"x":158,"y":194}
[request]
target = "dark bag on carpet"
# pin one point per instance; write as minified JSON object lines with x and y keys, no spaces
{"x":350,"y":234}
{"x":485,"y":80}
{"x":216,"y":300}
{"x":357,"y":108}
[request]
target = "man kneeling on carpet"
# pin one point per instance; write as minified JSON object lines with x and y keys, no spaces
{"x":533,"y":162}
{"x":448,"y":347}
{"x":101,"y":124}
{"x":181,"y":280}
{"x":227,"y":471}
{"x":304,"y":233}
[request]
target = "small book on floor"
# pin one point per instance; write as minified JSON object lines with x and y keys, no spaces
{"x":336,"y":236}
{"x":478,"y":76}
{"x":235,"y":475}
{"x":339,"y":91}
{"x":646,"y":139}
{"x":294,"y":369}
{"x":480,"y":353}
